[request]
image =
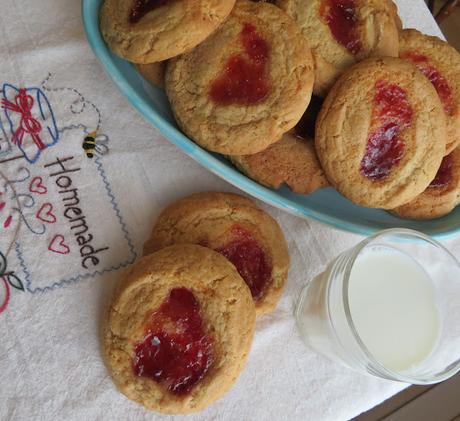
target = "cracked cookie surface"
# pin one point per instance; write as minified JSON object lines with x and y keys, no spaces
{"x":440,"y":197}
{"x":440,"y":63}
{"x":374,"y":24}
{"x":226,"y":308}
{"x":246,"y":85}
{"x":381,"y":133}
{"x":167,"y":30}
{"x":234,"y":226}
{"x":291,"y":161}
{"x":154,"y":73}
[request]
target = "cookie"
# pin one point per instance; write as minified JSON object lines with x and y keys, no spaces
{"x":441,"y":196}
{"x":179,"y":329}
{"x":147,"y":31}
{"x":440,"y":63}
{"x":246,"y":85}
{"x":344,"y":32}
{"x":291,"y":161}
{"x":153,"y":72}
{"x":381,"y":133}
{"x":236,"y":228}
{"x":397,"y":18}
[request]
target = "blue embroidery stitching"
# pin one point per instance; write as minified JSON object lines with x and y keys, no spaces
{"x":4,"y":137}
{"x":55,"y":137}
{"x":63,"y":282}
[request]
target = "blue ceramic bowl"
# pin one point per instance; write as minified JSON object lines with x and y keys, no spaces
{"x":325,"y":205}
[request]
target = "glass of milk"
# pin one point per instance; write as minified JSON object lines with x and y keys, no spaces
{"x":389,"y":307}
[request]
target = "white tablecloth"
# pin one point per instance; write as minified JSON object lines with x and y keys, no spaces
{"x":50,"y":363}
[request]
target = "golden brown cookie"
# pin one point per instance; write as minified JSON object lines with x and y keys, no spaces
{"x":246,"y":85}
{"x":179,"y":329}
{"x":147,"y":31}
{"x":381,"y":133}
{"x":343,"y":32}
{"x":291,"y":161}
{"x":441,"y":196}
{"x":399,"y":24}
{"x":153,"y":72}
{"x":235,"y":227}
{"x":440,"y":63}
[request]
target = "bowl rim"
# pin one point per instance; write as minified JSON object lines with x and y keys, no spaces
{"x":90,"y":17}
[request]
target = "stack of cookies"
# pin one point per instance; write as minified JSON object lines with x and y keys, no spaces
{"x":181,"y":323}
{"x":240,"y":77}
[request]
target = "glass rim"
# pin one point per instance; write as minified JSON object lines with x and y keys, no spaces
{"x":453,"y":368}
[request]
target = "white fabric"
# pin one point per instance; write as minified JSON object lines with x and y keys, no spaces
{"x":50,"y":360}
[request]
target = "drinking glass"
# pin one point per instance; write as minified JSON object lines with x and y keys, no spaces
{"x":326,"y":323}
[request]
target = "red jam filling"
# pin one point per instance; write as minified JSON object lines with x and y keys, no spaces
{"x":444,"y":174}
{"x":141,"y":7}
{"x":436,"y":78}
{"x":250,"y":261}
{"x":305,"y":128}
{"x":391,"y":114}
{"x":244,"y":80}
{"x":342,"y":19}
{"x":176,"y":351}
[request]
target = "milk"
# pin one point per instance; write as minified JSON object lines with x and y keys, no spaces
{"x":393,"y":307}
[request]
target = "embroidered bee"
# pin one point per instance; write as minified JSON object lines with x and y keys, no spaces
{"x":95,"y":143}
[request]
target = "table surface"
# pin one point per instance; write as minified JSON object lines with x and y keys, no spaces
{"x":50,"y":361}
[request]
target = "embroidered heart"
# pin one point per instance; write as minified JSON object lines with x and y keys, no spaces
{"x":45,"y":214}
{"x":58,"y":245}
{"x":37,"y":186}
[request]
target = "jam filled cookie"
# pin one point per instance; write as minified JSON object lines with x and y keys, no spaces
{"x":441,"y":196}
{"x":246,"y":85}
{"x":236,"y":228}
{"x":381,"y":133}
{"x":440,"y":63}
{"x":153,"y":72}
{"x":343,"y":32}
{"x":291,"y":161}
{"x":179,"y":329}
{"x":146,"y":31}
